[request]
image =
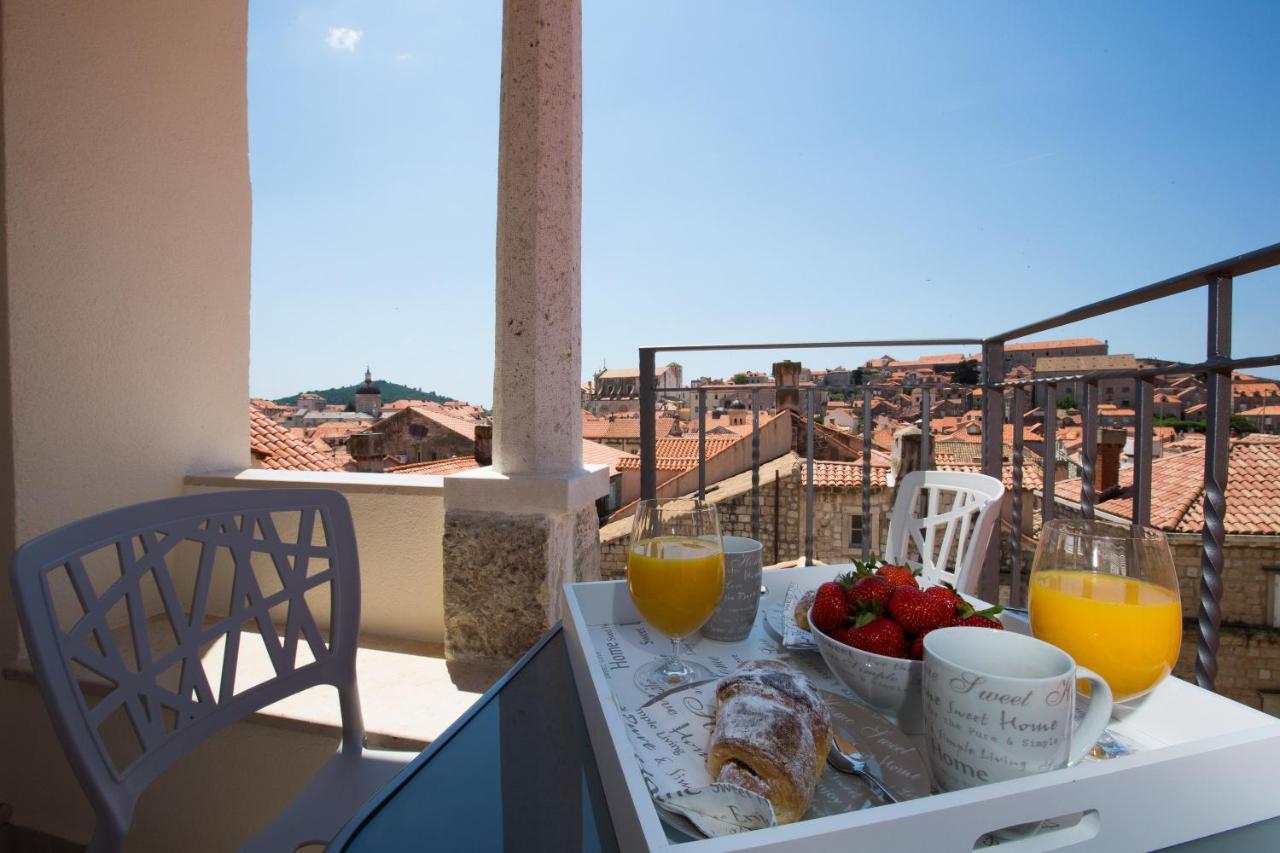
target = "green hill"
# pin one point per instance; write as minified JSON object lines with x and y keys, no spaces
{"x":391,"y":392}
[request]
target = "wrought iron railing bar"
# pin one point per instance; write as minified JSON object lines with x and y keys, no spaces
{"x":866,"y":472}
{"x":1258,"y":259}
{"x":755,"y":464}
{"x":1197,"y":367}
{"x":702,"y":445}
{"x":926,"y":447}
{"x":1049,"y":476}
{"x":808,"y":462}
{"x":926,"y":436}
{"x":1216,"y":459}
{"x":1089,"y":450}
{"x":1142,"y":451}
{"x":992,"y":456}
{"x":648,"y":427}
{"x":1015,"y":512}
{"x":899,"y":342}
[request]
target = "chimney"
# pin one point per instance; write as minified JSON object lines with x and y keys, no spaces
{"x":1106,"y":475}
{"x":787,"y":373}
{"x":367,"y":450}
{"x":484,"y":444}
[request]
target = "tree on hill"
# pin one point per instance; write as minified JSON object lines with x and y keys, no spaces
{"x":391,"y":392}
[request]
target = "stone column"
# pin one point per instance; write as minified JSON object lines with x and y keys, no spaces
{"x":515,"y":532}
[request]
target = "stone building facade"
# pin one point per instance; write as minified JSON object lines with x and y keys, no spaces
{"x":782,"y":518}
{"x":418,"y":435}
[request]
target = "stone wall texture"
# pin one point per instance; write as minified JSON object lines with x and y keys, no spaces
{"x":503,"y":575}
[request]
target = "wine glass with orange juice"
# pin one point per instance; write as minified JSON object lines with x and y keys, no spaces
{"x":1108,"y":596}
{"x":675,"y":574}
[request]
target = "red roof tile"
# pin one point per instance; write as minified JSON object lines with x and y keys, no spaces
{"x":1177,"y":493}
{"x":277,"y":448}
{"x":439,"y":467}
{"x":843,"y":475}
{"x":680,"y":454}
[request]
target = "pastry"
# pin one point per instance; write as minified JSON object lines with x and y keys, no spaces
{"x":802,"y":609}
{"x":771,"y":735}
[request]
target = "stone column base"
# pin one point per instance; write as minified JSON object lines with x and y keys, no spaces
{"x":503,"y":573}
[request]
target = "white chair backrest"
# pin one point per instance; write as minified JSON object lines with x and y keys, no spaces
{"x":961,"y":510}
{"x":264,"y":554}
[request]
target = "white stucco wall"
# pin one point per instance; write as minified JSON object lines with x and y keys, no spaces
{"x":399,"y":521}
{"x":126,"y":231}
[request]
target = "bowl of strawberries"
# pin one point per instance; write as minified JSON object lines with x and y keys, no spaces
{"x":870,"y":625}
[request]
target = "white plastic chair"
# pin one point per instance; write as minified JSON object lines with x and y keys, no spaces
{"x":962,"y":511}
{"x":210,"y":563}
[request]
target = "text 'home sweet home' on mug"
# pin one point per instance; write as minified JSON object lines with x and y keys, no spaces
{"x":1000,"y":705}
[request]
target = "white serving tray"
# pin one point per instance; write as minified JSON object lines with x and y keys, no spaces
{"x":1207,"y":765}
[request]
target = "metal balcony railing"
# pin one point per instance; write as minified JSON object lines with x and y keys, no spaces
{"x":1217,"y":366}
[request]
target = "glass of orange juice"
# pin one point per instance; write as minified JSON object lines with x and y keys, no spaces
{"x":1108,"y":596}
{"x":675,"y":574}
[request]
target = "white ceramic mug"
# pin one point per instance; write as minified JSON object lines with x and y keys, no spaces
{"x":1000,"y":705}
{"x":736,"y":613}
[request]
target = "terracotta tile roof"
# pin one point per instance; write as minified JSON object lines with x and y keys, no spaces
{"x":593,"y":453}
{"x":618,"y":428}
{"x":680,"y":454}
{"x":1032,"y":470}
{"x":1261,"y":410}
{"x":1084,"y":363}
{"x":462,"y":426}
{"x":1069,"y":342}
{"x":277,"y":448}
{"x":336,"y":430}
{"x":465,"y":427}
{"x":439,"y":467}
{"x":1263,"y":388}
{"x":843,"y":475}
{"x":1177,"y":494}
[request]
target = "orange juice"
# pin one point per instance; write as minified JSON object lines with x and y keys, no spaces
{"x":676,"y":582}
{"x":1126,"y":630}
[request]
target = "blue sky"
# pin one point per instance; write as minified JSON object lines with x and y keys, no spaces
{"x":756,"y":171}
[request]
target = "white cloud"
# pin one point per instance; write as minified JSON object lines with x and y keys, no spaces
{"x":344,"y":38}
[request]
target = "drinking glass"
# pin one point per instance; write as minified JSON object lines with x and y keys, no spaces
{"x":675,"y":574}
{"x":1108,"y":597}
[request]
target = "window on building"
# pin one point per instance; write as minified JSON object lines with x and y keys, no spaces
{"x":855,"y":532}
{"x":417,"y":431}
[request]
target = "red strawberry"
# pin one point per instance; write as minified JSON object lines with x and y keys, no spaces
{"x":897,"y":575}
{"x":871,"y":593}
{"x":947,"y":594}
{"x":984,"y":619}
{"x":917,"y":645}
{"x":915,"y":611}
{"x":830,"y":609}
{"x":878,"y":636}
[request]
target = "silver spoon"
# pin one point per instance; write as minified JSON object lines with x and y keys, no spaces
{"x":845,"y":757}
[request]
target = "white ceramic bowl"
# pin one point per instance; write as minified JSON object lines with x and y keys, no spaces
{"x":890,"y":686}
